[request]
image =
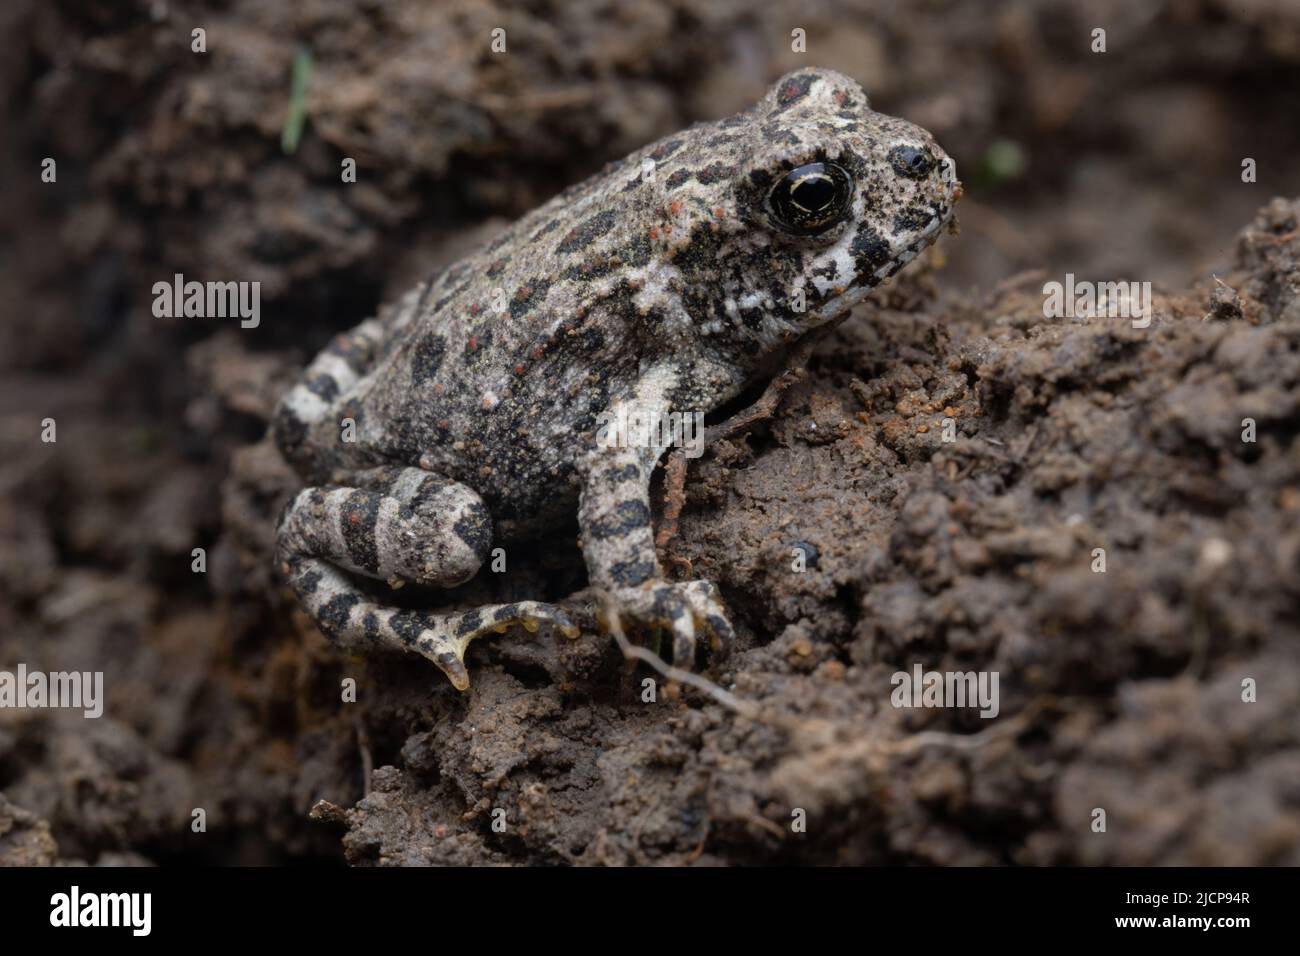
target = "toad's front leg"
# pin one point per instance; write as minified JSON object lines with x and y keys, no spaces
{"x":618,"y":544}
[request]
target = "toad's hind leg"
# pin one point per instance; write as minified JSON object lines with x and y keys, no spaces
{"x":400,"y":525}
{"x":312,"y":402}
{"x":307,"y":419}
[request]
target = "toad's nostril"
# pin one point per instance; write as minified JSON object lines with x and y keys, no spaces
{"x":910,"y":162}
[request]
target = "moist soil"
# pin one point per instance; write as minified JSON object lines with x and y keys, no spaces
{"x":1119,"y":690}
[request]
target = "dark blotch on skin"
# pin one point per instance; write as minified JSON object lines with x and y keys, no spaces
{"x":527,"y":296}
{"x":912,"y":219}
{"x":323,"y":387}
{"x":669,"y":607}
{"x":547,"y":229}
{"x":290,"y":432}
{"x":479,"y":343}
{"x":469,"y":623}
{"x":621,"y":473}
{"x":429,"y":489}
{"x":407,"y":625}
{"x":654,"y":320}
{"x":776,"y":133}
{"x":629,"y":516}
{"x":507,"y":613}
{"x":589,"y":231}
{"x":593,"y":340}
{"x":357,"y":521}
{"x":333,"y":617}
{"x":637,"y":252}
{"x":385,"y":479}
{"x":794,"y":89}
{"x":584,"y":271}
{"x":712,"y":173}
{"x":427,"y":358}
{"x":353,"y":349}
{"x":869,"y":251}
{"x":665,"y":149}
{"x":702,"y":248}
{"x":631,"y":573}
{"x":475,"y":529}
{"x":678,"y":178}
{"x":828,"y":271}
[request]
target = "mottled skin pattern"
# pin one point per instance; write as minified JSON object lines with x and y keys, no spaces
{"x":670,"y":281}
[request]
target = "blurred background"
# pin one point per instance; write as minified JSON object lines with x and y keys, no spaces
{"x":1122,"y":164}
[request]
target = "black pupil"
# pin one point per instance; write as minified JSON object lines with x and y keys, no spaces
{"x":814,"y":193}
{"x":811,"y":198}
{"x":917,"y":162}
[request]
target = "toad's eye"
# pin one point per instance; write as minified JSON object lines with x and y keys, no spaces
{"x":811,"y":199}
{"x":910,"y":162}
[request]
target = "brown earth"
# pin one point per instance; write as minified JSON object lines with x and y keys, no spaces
{"x":1120,"y":690}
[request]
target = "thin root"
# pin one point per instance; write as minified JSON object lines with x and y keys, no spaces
{"x":796,"y":726}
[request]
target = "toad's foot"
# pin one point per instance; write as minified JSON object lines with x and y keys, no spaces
{"x":444,"y":639}
{"x":684,"y":608}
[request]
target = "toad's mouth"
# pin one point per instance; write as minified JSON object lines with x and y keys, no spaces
{"x":942,"y":214}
